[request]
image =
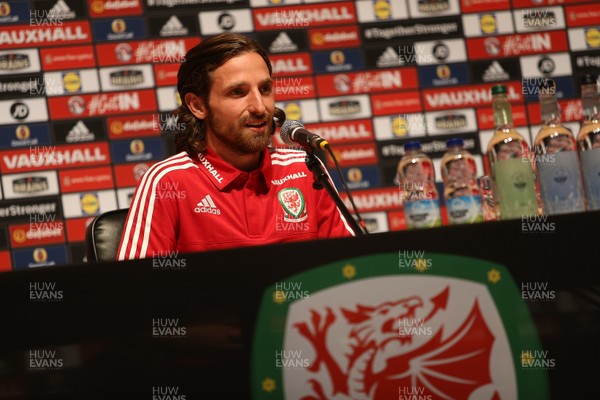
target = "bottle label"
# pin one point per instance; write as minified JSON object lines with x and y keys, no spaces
{"x":422,"y":214}
{"x":515,"y":188}
{"x":464,"y":209}
{"x":460,"y":172}
{"x":513,"y":149}
{"x":590,"y":165}
{"x":418,"y":176}
{"x":554,"y":144}
{"x":464,"y":204}
{"x":591,"y":140}
{"x":560,"y":183}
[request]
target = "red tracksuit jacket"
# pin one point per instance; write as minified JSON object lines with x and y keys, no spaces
{"x":185,"y":204}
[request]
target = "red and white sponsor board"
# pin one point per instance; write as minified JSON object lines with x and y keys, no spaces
{"x":166,"y":74}
{"x":37,"y":233}
{"x":355,"y":154}
{"x":295,"y":17}
{"x":540,"y":3}
{"x":76,"y":228}
{"x":133,"y":126}
{"x":372,"y":200}
{"x":38,"y":158}
{"x":72,"y":57}
{"x":368,"y":81}
{"x":145,"y":51}
{"x":485,"y":116}
{"x":571,"y":111}
{"x":468,"y":96}
{"x":469,"y":6}
{"x":582,"y":15}
{"x":334,"y":37}
{"x":343,"y":132}
{"x":102,"y":104}
{"x":396,"y":103}
{"x":6,"y":264}
{"x":130,"y":174}
{"x":294,"y":88}
{"x":45,"y":35}
{"x":85,"y":179}
{"x":114,"y":8}
{"x":291,"y":64}
{"x":396,"y":221}
{"x":517,"y":45}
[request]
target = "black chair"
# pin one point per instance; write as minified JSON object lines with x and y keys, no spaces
{"x":103,"y":235}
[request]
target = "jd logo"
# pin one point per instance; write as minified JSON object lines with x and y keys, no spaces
{"x":546,"y":65}
{"x":226,"y":21}
{"x":19,"y":111}
{"x":441,"y":51}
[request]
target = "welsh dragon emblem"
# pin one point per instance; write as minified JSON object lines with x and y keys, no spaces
{"x":293,"y":205}
{"x":384,"y":354}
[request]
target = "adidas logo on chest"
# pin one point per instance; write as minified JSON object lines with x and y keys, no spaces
{"x":207,"y":206}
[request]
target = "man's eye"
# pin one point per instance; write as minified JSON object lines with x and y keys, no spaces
{"x":266,"y":89}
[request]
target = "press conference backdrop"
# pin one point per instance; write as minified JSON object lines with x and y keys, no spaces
{"x":87,"y":86}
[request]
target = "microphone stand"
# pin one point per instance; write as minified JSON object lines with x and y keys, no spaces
{"x":321,"y":180}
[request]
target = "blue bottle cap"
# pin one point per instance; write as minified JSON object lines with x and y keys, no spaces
{"x":414,"y":145}
{"x":455,"y":142}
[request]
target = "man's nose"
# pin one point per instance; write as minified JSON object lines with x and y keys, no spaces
{"x":256,"y":104}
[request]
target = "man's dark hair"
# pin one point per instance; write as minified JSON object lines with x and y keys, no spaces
{"x":195,"y":75}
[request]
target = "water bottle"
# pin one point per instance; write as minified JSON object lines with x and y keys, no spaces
{"x":420,"y":197}
{"x":461,"y":191}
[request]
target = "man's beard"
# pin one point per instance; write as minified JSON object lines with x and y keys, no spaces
{"x":233,"y":135}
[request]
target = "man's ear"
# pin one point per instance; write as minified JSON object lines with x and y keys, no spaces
{"x":196,"y":105}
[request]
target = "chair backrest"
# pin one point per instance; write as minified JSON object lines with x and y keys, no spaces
{"x":103,"y":235}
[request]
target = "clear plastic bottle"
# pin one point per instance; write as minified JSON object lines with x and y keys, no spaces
{"x":510,"y":161}
{"x":416,"y":177}
{"x":556,"y":158}
{"x":461,"y":192}
{"x":588,"y":140}
{"x":488,"y":203}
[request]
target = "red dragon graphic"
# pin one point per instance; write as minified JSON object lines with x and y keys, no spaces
{"x":444,"y":367}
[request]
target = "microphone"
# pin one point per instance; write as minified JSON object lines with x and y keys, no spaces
{"x":278,"y":119}
{"x":294,"y":132}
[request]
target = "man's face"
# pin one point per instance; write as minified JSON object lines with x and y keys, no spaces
{"x":241,"y":105}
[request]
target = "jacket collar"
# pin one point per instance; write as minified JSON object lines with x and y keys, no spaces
{"x":222,"y":174}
